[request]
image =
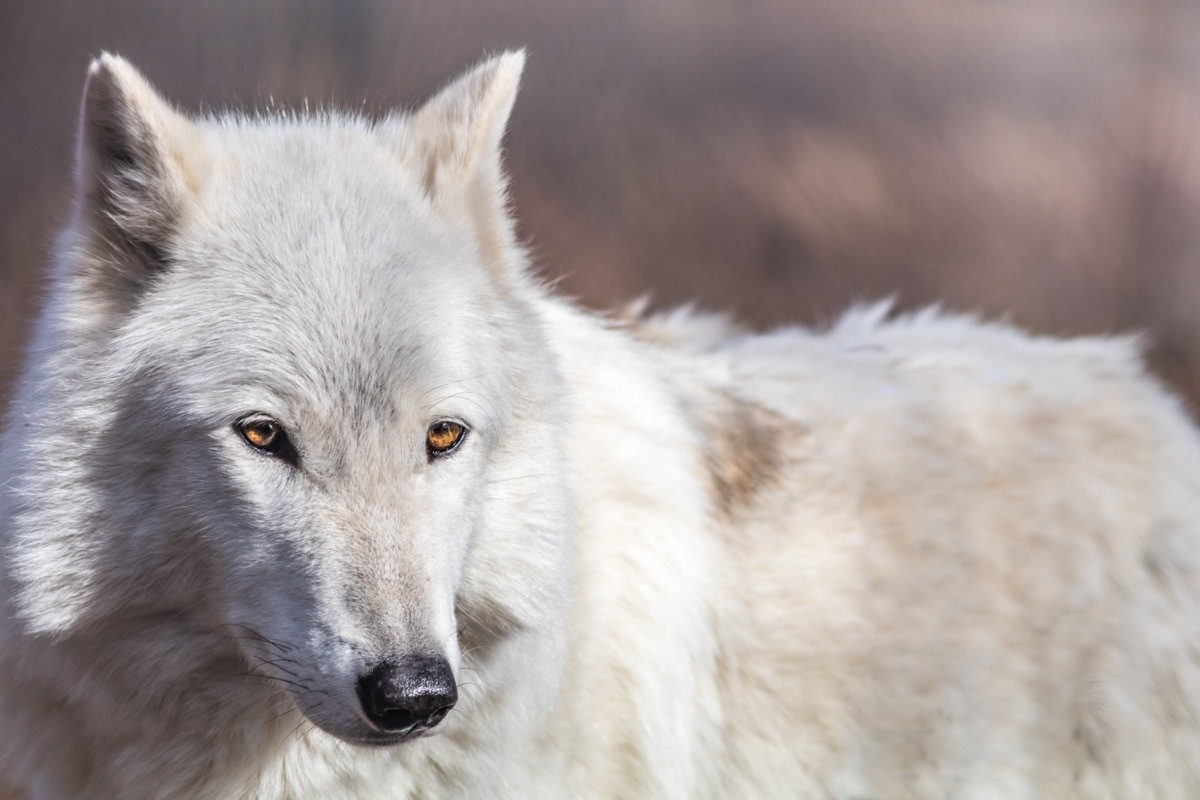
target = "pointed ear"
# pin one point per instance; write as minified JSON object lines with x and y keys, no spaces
{"x":138,"y":164}
{"x":458,"y":132}
{"x":455,"y":139}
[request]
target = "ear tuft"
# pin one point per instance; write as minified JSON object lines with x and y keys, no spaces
{"x":137,"y":165}
{"x":454,"y":141}
{"x":460,"y":130}
{"x":125,"y":124}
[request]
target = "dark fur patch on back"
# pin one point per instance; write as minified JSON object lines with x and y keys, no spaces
{"x":746,"y":450}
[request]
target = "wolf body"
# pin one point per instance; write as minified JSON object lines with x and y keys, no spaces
{"x":914,"y":557}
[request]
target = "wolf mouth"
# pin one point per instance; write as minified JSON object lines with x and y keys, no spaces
{"x":378,"y":739}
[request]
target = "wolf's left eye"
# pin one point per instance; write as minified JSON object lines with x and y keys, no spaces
{"x":267,"y":435}
{"x":443,"y":436}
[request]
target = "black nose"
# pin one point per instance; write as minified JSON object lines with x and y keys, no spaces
{"x":413,"y":692}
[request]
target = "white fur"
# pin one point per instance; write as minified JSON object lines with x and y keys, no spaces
{"x":916,"y":557}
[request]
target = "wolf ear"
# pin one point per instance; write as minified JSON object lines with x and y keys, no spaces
{"x":458,"y":132}
{"x":457,"y":137}
{"x":137,"y":165}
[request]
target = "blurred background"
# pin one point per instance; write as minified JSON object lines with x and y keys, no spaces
{"x":1034,"y":160}
{"x":1031,"y":160}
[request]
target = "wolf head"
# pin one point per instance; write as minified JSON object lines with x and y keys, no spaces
{"x":296,"y":395}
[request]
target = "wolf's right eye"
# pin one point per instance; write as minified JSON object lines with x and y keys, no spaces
{"x":443,"y":436}
{"x":267,"y":435}
{"x":262,"y":434}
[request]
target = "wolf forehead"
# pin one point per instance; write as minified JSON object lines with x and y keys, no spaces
{"x":280,"y":255}
{"x":253,"y":241}
{"x":290,"y":192}
{"x":323,"y":216}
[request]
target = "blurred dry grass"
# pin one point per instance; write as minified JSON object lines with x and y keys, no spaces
{"x":1030,"y":160}
{"x":1036,"y":161}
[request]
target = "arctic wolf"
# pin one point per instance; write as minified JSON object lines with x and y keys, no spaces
{"x":311,"y":490}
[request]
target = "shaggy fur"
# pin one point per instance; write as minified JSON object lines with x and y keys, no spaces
{"x":915,"y":557}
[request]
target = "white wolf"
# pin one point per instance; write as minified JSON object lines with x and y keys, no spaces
{"x":312,"y":491}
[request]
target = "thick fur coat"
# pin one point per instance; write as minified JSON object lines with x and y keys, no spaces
{"x":915,"y":557}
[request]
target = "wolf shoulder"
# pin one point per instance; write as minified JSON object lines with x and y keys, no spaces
{"x":928,"y":404}
{"x":947,"y":379}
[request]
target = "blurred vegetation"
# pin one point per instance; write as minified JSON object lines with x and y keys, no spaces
{"x":1028,"y":160}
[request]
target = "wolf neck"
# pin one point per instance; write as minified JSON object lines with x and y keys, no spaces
{"x":642,"y":499}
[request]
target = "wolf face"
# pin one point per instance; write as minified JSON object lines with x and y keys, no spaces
{"x":305,"y":355}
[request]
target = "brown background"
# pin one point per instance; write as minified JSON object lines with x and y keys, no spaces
{"x":1031,"y":159}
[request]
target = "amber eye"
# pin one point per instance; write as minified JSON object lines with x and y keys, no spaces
{"x":267,"y":435}
{"x":261,"y":433}
{"x":443,"y":436}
